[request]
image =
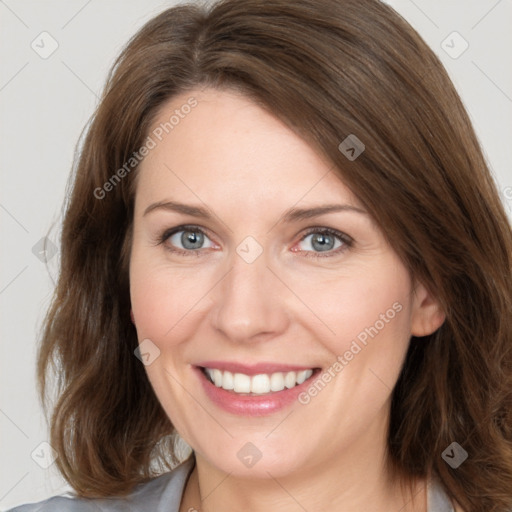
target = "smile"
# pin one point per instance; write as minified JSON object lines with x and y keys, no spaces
{"x":256,"y":390}
{"x":260,"y":384}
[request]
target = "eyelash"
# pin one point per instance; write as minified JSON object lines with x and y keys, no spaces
{"x":346,"y":240}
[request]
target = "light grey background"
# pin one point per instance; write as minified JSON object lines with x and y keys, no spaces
{"x":46,"y":102}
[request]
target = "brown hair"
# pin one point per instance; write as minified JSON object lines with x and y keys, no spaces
{"x":328,"y":69}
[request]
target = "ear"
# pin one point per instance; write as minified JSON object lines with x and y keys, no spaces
{"x":427,"y":315}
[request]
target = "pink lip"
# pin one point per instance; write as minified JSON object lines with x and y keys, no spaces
{"x":254,"y":369}
{"x":252,"y":405}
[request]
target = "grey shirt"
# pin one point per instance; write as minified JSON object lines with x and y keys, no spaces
{"x":163,"y":494}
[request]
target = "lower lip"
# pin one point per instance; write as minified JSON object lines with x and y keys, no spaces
{"x":252,"y":405}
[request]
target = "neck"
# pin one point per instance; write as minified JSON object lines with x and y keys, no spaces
{"x":353,"y":481}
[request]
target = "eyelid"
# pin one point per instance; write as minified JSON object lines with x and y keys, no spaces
{"x":167,"y":233}
{"x":347,"y":240}
{"x":183,"y":227}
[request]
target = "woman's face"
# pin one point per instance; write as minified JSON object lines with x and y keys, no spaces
{"x":251,"y":261}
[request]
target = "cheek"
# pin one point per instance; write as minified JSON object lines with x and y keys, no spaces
{"x":375,"y":304}
{"x":165,"y":301}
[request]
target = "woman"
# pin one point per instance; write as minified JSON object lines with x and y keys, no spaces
{"x":284,"y":246}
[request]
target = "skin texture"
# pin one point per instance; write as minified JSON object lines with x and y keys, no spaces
{"x":292,"y":305}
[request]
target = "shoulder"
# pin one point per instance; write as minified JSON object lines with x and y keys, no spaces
{"x":161,"y":494}
{"x":438,"y":500}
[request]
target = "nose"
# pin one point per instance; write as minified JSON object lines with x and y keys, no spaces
{"x":249,"y":303}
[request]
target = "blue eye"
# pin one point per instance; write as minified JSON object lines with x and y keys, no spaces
{"x":190,"y":240}
{"x":186,"y":240}
{"x":326,"y":240}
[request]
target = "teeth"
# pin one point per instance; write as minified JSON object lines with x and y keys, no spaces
{"x":217,"y":378}
{"x":302,"y":376}
{"x":257,"y":384}
{"x":290,"y":379}
{"x":260,"y":384}
{"x":242,"y":383}
{"x":228,"y":381}
{"x":277,"y":382}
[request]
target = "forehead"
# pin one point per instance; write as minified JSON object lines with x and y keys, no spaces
{"x":226,"y":147}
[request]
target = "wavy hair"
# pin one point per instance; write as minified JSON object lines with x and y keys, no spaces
{"x":328,"y":69}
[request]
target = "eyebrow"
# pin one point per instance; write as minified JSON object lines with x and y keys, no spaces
{"x":291,"y":215}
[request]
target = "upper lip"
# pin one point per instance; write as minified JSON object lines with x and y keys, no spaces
{"x":253,"y":369}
